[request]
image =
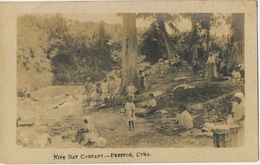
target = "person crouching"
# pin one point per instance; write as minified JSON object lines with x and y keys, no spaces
{"x":151,"y":105}
{"x":184,"y":119}
{"x":88,"y":134}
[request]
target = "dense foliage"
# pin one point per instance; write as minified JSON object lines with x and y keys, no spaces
{"x":53,"y":50}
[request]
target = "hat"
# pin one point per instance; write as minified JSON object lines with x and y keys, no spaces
{"x":88,"y":79}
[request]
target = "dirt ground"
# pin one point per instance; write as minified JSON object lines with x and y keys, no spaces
{"x":61,"y":124}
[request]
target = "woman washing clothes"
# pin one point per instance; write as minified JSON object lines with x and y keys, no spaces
{"x":184,"y":118}
{"x":238,"y":111}
{"x":89,"y":133}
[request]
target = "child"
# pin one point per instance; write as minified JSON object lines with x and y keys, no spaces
{"x":112,"y":89}
{"x":129,"y":112}
{"x":131,"y":90}
{"x":145,"y":83}
{"x":104,"y":86}
{"x":152,"y":102}
{"x":151,"y":105}
{"x":88,"y":90}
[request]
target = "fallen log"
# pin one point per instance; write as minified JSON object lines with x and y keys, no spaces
{"x":22,"y":125}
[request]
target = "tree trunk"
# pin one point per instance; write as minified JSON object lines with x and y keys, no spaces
{"x":237,"y":56}
{"x":207,"y":41}
{"x":194,"y":46}
{"x":160,"y":21}
{"x":129,"y":51}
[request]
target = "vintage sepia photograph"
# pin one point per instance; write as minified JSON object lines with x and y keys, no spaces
{"x":130,"y":80}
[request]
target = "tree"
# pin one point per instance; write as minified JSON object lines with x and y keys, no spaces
{"x":160,"y":19}
{"x":32,"y":53}
{"x":194,"y":38}
{"x":129,"y":50}
{"x":237,"y":56}
{"x":200,"y":22}
{"x":152,"y":44}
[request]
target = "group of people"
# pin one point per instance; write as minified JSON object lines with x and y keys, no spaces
{"x":216,"y":68}
{"x":106,"y":90}
{"x":109,"y":89}
{"x":129,"y":109}
{"x":163,"y":67}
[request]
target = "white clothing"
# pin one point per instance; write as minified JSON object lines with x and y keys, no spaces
{"x":236,"y":75}
{"x":68,"y":101}
{"x":145,"y":83}
{"x":118,"y":82}
{"x":92,"y":134}
{"x":211,"y":59}
{"x":241,"y":67}
{"x":152,"y":103}
{"x":129,"y":111}
{"x":104,"y":89}
{"x":239,"y":109}
{"x":185,"y":119}
{"x":239,"y":112}
{"x":131,"y":91}
{"x":112,"y":88}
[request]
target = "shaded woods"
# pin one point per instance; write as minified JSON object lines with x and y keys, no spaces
{"x":55,"y":50}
